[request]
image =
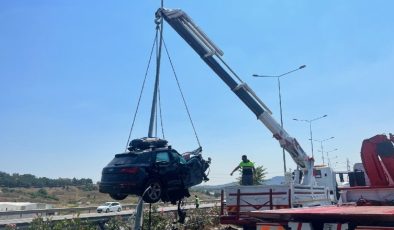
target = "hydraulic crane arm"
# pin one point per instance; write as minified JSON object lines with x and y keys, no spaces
{"x":211,"y":55}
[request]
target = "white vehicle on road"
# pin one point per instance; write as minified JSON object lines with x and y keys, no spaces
{"x":109,"y":207}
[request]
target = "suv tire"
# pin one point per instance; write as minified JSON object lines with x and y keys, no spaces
{"x":118,"y":196}
{"x":153,"y":194}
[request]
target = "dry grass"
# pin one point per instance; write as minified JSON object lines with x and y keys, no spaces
{"x":69,"y":196}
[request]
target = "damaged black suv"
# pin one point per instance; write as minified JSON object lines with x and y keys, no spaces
{"x":153,"y":170}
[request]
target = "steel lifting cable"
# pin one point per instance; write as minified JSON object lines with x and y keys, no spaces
{"x":180,"y":90}
{"x":142,"y":90}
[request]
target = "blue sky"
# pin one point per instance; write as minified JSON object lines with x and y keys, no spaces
{"x":71,"y":71}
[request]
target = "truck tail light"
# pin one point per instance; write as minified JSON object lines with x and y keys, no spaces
{"x":131,"y":170}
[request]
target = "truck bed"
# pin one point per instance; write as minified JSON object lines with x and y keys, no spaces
{"x":239,"y":201}
{"x":355,"y":214}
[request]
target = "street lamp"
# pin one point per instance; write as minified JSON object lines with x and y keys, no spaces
{"x":328,"y":159}
{"x":321,"y":147}
{"x":280,"y":103}
{"x":310,"y":127}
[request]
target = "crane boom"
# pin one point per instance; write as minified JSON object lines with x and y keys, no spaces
{"x":211,"y":55}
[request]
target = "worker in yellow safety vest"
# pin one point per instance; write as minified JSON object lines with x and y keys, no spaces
{"x":248,"y":171}
{"x":196,"y":201}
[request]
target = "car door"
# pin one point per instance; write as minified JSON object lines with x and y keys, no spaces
{"x":180,"y":164}
{"x":168,"y":169}
{"x":114,"y":207}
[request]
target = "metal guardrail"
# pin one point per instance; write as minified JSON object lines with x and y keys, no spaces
{"x":98,"y":218}
{"x":90,"y":209}
{"x":57,"y":211}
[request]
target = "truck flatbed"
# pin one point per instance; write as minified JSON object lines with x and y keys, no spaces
{"x":332,"y":213}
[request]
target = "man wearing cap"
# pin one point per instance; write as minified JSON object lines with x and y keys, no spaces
{"x":248,"y":171}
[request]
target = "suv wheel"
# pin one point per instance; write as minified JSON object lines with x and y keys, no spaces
{"x":118,"y":196}
{"x":154,"y":192}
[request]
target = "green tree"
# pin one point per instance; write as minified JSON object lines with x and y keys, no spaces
{"x":258,"y":177}
{"x":28,"y":180}
{"x":159,"y":220}
{"x":39,"y":223}
{"x":42,"y":192}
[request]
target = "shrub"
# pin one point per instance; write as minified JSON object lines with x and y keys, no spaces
{"x":42,"y":193}
{"x":49,"y":224}
{"x":197,"y":219}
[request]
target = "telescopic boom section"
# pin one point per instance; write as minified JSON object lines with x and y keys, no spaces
{"x":210,"y":54}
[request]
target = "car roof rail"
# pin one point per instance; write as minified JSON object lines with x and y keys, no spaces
{"x":147,"y":143}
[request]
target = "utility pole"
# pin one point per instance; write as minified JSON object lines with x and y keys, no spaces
{"x":310,"y":127}
{"x":348,"y":164}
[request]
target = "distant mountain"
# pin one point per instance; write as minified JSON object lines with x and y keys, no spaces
{"x":277,"y":180}
{"x":214,"y":187}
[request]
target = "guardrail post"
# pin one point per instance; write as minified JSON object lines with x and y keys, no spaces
{"x":271,"y":203}
{"x":221,"y":202}
{"x":238,"y":203}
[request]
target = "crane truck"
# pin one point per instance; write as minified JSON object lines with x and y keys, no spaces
{"x":310,"y":186}
{"x":367,"y":204}
{"x":309,"y":200}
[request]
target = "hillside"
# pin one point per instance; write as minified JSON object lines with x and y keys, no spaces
{"x":277,"y":180}
{"x":85,"y":194}
{"x":71,"y":196}
{"x":59,"y":196}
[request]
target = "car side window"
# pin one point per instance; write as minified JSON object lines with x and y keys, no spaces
{"x":144,"y":158}
{"x":162,"y":157}
{"x":178,"y":158}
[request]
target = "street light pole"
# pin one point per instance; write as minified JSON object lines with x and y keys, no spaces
{"x":310,"y":133}
{"x":310,"y":127}
{"x":328,"y":159}
{"x":321,"y":146}
{"x":280,"y":104}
